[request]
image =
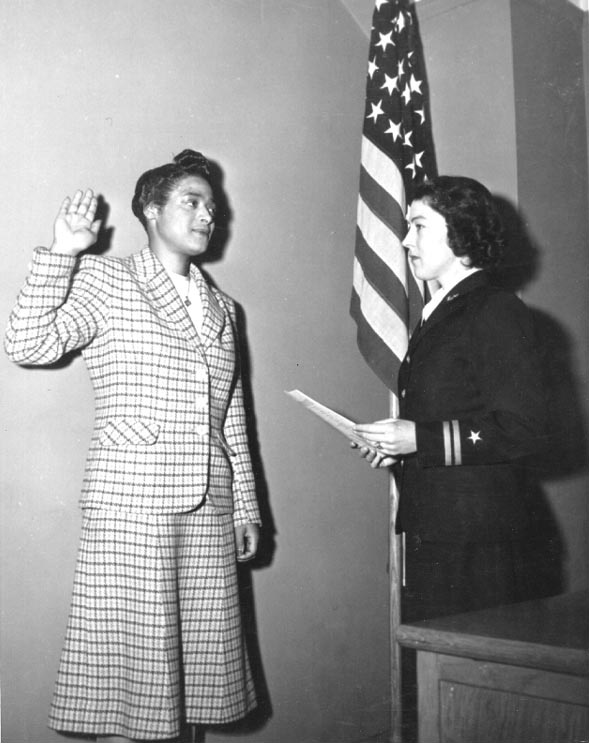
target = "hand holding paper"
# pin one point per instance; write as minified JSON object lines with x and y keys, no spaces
{"x":395,"y":437}
{"x":379,"y":443}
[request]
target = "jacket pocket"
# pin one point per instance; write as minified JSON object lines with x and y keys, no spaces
{"x":224,"y":445}
{"x":126,"y":432}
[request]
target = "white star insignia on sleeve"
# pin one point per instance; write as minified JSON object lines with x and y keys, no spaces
{"x":475,"y":436}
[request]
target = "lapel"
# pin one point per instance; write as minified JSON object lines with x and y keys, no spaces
{"x":164,"y":298}
{"x":449,"y":305}
{"x":213,"y":320}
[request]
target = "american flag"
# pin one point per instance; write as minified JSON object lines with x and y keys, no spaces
{"x":397,"y":153}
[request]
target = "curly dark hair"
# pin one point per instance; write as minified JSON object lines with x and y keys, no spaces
{"x":155,"y":185}
{"x":474,"y":226}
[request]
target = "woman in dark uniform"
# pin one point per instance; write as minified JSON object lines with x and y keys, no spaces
{"x":472,"y":409}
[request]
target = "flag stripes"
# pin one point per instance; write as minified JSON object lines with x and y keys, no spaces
{"x":378,"y":355}
{"x":381,"y":179}
{"x":384,"y":282}
{"x":389,"y":331}
{"x":397,"y":152}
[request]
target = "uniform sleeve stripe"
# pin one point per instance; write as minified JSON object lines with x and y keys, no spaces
{"x":447,"y":444}
{"x":457,"y":444}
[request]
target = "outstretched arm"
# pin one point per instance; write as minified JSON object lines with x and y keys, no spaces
{"x":60,"y":308}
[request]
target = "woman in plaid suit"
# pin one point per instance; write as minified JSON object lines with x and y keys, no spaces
{"x":472,"y":408}
{"x":154,"y":636}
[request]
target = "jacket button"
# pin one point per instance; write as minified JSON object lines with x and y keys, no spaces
{"x":403,"y":393}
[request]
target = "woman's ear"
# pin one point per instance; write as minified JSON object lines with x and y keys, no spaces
{"x":151,"y":211}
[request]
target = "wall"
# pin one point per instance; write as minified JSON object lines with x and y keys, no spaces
{"x":553,"y":191}
{"x":94,"y":94}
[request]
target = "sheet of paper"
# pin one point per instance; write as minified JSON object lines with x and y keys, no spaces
{"x":344,"y":425}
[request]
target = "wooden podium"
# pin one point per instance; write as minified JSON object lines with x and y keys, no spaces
{"x":515,"y":674}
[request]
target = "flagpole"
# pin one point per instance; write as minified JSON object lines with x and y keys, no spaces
{"x":396,"y":580}
{"x":396,"y":154}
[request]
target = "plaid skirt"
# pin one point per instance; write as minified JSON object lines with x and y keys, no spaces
{"x":154,"y":635}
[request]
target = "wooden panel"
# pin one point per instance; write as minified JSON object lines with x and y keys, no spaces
{"x":515,"y":674}
{"x":488,"y":716}
{"x":428,"y":697}
{"x":528,"y":681}
{"x":550,"y":634}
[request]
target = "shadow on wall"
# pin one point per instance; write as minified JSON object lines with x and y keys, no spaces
{"x":566,"y":452}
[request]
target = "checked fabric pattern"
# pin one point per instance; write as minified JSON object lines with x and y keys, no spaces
{"x":154,"y":634}
{"x":167,"y":399}
{"x":140,"y":580}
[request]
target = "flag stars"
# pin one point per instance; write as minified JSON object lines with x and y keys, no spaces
{"x":415,"y":163}
{"x":411,"y":167}
{"x":390,"y":83}
{"x":395,"y":134}
{"x":376,"y":111}
{"x":394,"y":130}
{"x":415,"y":85}
{"x":385,"y":40}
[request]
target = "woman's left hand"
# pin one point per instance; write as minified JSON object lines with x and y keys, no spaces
{"x":392,"y":437}
{"x":247,"y":537}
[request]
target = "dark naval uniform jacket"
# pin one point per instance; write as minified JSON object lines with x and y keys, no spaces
{"x":471,"y":381}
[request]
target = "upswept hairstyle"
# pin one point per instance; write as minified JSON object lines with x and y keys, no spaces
{"x":474,"y":226}
{"x":155,"y":185}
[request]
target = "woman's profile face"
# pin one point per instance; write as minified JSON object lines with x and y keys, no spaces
{"x":185,"y":223}
{"x":427,"y":244}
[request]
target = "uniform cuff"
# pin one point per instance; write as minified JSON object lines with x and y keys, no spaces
{"x":439,"y":444}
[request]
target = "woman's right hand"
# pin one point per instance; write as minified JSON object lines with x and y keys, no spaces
{"x":75,"y":228}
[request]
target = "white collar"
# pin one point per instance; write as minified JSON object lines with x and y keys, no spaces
{"x":439,"y":295}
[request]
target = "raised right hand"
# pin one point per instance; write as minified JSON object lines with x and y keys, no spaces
{"x":75,"y":228}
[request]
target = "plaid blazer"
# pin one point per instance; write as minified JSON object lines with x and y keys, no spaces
{"x":170,"y":420}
